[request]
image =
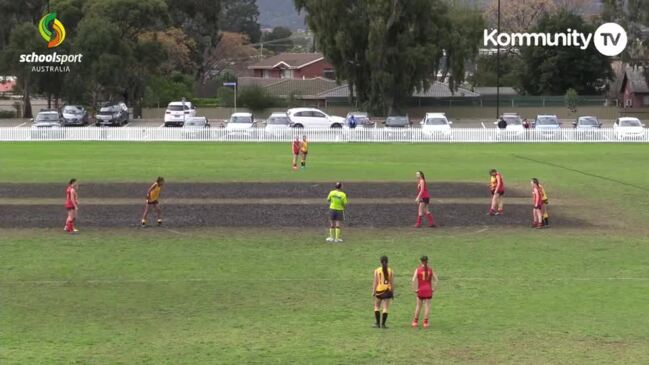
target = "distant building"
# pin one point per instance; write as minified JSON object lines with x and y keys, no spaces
{"x":634,"y":90}
{"x":293,"y":66}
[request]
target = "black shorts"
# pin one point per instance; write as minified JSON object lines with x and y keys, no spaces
{"x":305,"y":153}
{"x":385,"y":295}
{"x":424,"y":200}
{"x":152,"y":202}
{"x":336,"y":215}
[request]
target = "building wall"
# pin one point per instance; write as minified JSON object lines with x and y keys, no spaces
{"x":631,"y":99}
{"x":313,"y":70}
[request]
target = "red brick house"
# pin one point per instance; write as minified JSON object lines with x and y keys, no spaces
{"x":293,"y":66}
{"x":634,"y":89}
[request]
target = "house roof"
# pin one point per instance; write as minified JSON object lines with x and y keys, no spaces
{"x":491,"y":90}
{"x":254,"y":81}
{"x":635,"y":77}
{"x":7,"y":86}
{"x":436,"y":90}
{"x":303,"y":87}
{"x":293,"y":61}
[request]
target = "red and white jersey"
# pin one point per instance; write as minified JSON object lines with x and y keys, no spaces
{"x":296,"y":147}
{"x":424,"y":281}
{"x":537,"y":196}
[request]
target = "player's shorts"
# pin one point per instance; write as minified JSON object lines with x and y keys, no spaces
{"x":295,"y":153}
{"x":67,"y":207}
{"x":305,"y":153}
{"x":424,"y":200}
{"x":425,"y":294}
{"x":501,"y":193}
{"x":337,"y":215}
{"x":538,"y":206}
{"x":385,"y":295}
{"x":152,"y":202}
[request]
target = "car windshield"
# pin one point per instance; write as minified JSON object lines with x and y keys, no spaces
{"x":588,"y":121}
{"x":47,"y":117}
{"x":176,"y":108}
{"x":72,"y":110}
{"x":240,"y":119}
{"x":630,"y":123}
{"x":108,"y":110}
{"x":547,"y":121}
{"x":397,"y":120}
{"x":278,"y":121}
{"x":513,"y":120}
{"x":436,"y":121}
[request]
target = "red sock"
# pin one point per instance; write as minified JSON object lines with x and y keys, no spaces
{"x":418,"y":221}
{"x":431,"y":220}
{"x":68,"y":224}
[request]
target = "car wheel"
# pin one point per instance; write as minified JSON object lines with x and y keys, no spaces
{"x":298,"y":125}
{"x":336,"y":125}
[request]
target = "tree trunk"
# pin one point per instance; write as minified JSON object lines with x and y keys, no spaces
{"x":27,"y":104}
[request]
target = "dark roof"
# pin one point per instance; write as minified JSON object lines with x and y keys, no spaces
{"x":436,"y":90}
{"x":254,"y":81}
{"x":491,"y":90}
{"x":636,"y":79}
{"x":288,"y":60}
{"x":302,"y":87}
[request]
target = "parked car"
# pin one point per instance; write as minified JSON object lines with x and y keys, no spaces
{"x":177,"y":112}
{"x":398,"y":121}
{"x":278,"y":121}
{"x":74,"y":115}
{"x":313,"y":118}
{"x":548,"y":125}
{"x":47,"y":125}
{"x":196,"y":127}
{"x":587,"y":122}
{"x":240,"y":121}
{"x":514,"y":123}
{"x":628,"y":128}
{"x":361,"y":120}
{"x":436,"y":124}
{"x":112,"y":114}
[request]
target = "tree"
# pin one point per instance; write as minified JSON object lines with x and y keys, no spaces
{"x":485,"y":74}
{"x":554,"y":70}
{"x":233,"y":49}
{"x":241,"y":16}
{"x":256,"y":98}
{"x":199,"y":20}
{"x":24,"y":39}
{"x":520,"y":15}
{"x":387,"y":49}
{"x":633,"y":16}
{"x":572,"y":99}
{"x":278,"y":40}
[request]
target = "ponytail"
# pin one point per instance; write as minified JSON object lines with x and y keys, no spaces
{"x":72,"y":181}
{"x":384,"y":265}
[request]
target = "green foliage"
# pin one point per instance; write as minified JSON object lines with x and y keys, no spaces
{"x":161,"y":90}
{"x":256,"y":98}
{"x":278,"y":40}
{"x":572,"y":99}
{"x":387,"y":49}
{"x":554,"y":70}
{"x":7,"y":114}
{"x":485,"y":74}
{"x":225,"y":96}
{"x":205,"y":102}
{"x":240,"y":16}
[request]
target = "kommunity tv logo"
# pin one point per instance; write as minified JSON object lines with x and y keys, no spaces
{"x":53,"y":32}
{"x":610,"y":39}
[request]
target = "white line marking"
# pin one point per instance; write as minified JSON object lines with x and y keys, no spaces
{"x":20,"y":125}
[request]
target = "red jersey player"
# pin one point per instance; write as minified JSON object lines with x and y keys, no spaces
{"x":295,"y":147}
{"x":537,"y":203}
{"x":422,"y":200}
{"x":71,"y":205}
{"x":497,"y":188}
{"x":424,"y":282}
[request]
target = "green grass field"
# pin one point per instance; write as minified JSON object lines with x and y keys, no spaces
{"x":241,"y":296}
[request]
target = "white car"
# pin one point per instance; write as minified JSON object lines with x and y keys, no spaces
{"x":628,"y":128}
{"x":514,"y":124}
{"x":548,"y":125}
{"x":278,"y":121}
{"x":240,"y":121}
{"x":436,"y":124}
{"x":177,"y":112}
{"x":313,"y":118}
{"x":196,"y":127}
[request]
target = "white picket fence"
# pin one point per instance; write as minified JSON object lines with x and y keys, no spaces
{"x":373,"y":135}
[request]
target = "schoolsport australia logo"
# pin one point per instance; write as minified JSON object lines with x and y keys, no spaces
{"x":610,"y":39}
{"x":52,"y":30}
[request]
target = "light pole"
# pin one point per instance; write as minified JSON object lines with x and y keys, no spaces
{"x":498,"y":67}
